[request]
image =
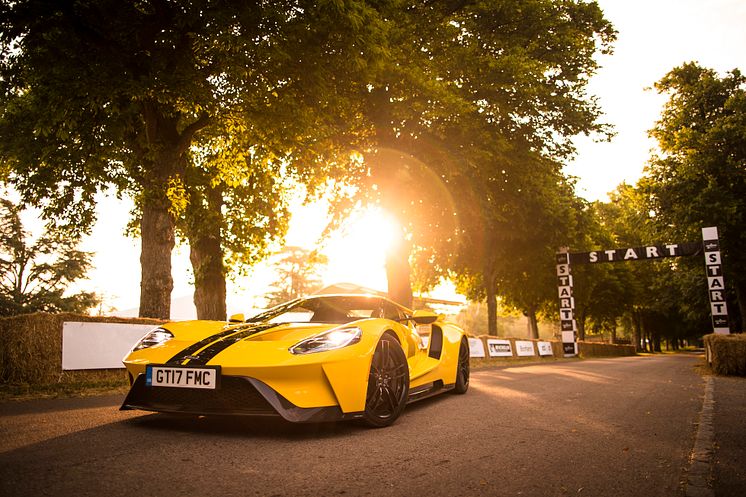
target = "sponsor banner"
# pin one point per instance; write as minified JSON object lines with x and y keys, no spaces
{"x":712,"y":259}
{"x":716,"y":283}
{"x":567,"y":303}
{"x":636,"y":253}
{"x":98,"y":345}
{"x":524,"y":348}
{"x":717,"y":296}
{"x":709,"y":237}
{"x":545,"y":348}
{"x":499,"y":348}
{"x":711,"y":245}
{"x":714,"y":270}
{"x":568,"y":349}
{"x":476,"y":347}
{"x":568,"y":325}
{"x":715,"y":280}
{"x":719,"y":308}
{"x":719,"y":322}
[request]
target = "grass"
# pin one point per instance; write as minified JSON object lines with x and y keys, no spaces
{"x":82,"y":384}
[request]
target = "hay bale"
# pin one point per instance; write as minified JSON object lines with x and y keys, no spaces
{"x":31,"y":345}
{"x":599,"y":349}
{"x":727,"y":353}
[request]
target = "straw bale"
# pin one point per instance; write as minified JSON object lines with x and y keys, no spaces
{"x":31,"y":345}
{"x":727,"y":353}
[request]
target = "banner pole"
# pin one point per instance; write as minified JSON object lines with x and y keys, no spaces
{"x":568,"y":326}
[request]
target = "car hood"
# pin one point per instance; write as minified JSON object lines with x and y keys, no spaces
{"x":202,"y":342}
{"x":197,"y":331}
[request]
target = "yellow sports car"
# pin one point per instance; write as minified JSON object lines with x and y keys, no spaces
{"x":321,"y":358}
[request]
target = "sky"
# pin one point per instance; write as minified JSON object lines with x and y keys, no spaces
{"x":654,"y":37}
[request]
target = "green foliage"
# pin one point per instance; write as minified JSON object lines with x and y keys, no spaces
{"x":657,"y":300}
{"x":168,"y":101}
{"x":698,"y":179}
{"x":486,"y":96}
{"x":34,"y":275}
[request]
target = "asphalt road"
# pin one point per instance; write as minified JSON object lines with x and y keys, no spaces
{"x":590,"y":428}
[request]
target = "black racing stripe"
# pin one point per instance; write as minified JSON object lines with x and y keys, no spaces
{"x":217,"y":347}
{"x":182,"y":356}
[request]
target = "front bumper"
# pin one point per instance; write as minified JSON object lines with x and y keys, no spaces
{"x":237,"y":395}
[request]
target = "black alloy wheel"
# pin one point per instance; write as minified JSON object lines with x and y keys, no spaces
{"x":463,"y":369}
{"x":388,"y":384}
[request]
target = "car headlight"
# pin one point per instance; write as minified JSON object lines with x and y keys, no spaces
{"x":328,"y":340}
{"x":155,"y":337}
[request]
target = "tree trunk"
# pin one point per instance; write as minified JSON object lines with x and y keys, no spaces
{"x":533,"y":325}
{"x":637,"y":333}
{"x":160,"y":147}
{"x":157,"y":234}
{"x":398,"y":272}
{"x":490,"y":288}
{"x":580,"y":321}
{"x":398,"y":275}
{"x":206,"y":255}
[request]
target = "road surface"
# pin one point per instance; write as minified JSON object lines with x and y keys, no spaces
{"x":604,"y":427}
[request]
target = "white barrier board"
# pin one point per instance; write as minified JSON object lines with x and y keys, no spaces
{"x":524,"y":348}
{"x":545,"y":348}
{"x":98,"y":345}
{"x":499,"y":348}
{"x":476,"y":347}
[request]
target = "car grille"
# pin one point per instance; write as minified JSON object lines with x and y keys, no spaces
{"x":235,"y":395}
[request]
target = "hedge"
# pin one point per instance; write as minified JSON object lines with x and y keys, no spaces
{"x":726,"y":353}
{"x":31,"y":346}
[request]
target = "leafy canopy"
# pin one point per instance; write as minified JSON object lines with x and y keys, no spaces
{"x":35,"y":274}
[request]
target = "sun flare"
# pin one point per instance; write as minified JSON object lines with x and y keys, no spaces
{"x":357,"y":251}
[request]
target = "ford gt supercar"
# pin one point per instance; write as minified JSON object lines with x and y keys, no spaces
{"x":321,"y":358}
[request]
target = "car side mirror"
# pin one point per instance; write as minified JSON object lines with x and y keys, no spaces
{"x":422,"y":316}
{"x":236,"y":318}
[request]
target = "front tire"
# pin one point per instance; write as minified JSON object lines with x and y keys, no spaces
{"x":463,"y":369}
{"x":388,"y":384}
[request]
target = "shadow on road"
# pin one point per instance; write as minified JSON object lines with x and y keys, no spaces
{"x":238,"y":426}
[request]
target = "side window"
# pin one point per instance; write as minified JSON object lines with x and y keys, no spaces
{"x":390,"y":311}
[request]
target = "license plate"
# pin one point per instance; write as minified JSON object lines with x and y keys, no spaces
{"x":207,"y":377}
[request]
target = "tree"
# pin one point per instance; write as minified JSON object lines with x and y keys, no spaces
{"x":663,"y":299}
{"x":104,"y":92}
{"x":36,"y":275}
{"x":475,"y":88}
{"x":297,"y":275}
{"x":698,"y":179}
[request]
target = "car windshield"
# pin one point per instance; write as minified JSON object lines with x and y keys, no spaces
{"x":326,"y":309}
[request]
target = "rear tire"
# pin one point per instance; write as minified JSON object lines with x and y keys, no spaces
{"x":388,"y":384}
{"x":463,"y":369}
